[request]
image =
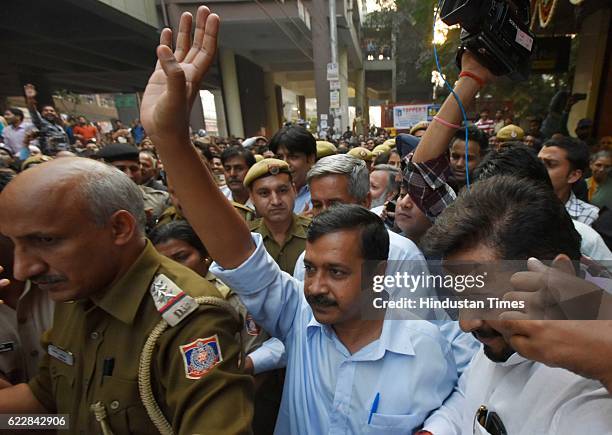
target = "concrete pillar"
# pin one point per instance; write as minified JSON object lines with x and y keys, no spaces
{"x":196,"y":118}
{"x":361,"y":97}
{"x":231,"y":93}
{"x":220,"y":110}
{"x":273,"y":117}
{"x":590,"y":60}
{"x":321,"y":53}
{"x":344,"y":103}
{"x":301,"y":103}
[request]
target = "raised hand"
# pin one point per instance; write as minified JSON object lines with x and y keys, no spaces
{"x":175,"y":83}
{"x":553,"y":293}
{"x":30,"y":91}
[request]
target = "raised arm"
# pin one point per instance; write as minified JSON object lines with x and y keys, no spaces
{"x":166,"y":105}
{"x":437,"y":136}
{"x":30,"y":95}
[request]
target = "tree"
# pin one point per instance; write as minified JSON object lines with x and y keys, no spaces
{"x":69,"y":101}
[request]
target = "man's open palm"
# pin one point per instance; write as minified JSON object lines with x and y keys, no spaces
{"x":175,"y":83}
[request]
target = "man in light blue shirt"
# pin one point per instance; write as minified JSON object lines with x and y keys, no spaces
{"x":337,"y":363}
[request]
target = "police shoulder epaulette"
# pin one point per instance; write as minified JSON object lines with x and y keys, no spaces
{"x":171,"y":302}
{"x":242,"y":207}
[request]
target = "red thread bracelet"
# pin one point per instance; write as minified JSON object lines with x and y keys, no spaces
{"x":474,"y":77}
{"x":446,"y":123}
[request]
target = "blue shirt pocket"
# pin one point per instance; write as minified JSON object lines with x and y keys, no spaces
{"x":389,"y":424}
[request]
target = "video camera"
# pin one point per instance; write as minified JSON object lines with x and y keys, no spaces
{"x":496,"y":31}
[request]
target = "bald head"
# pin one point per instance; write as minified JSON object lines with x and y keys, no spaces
{"x":77,"y":225}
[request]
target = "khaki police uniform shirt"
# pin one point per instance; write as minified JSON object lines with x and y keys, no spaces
{"x":170,"y":214}
{"x":115,"y":324}
{"x":20,"y":332}
{"x":154,"y":200}
{"x":287,"y":254}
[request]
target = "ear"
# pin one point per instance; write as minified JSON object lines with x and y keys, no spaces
{"x":124,"y":227}
{"x":574,"y":176}
{"x":311,"y":159}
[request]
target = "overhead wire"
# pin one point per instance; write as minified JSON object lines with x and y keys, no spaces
{"x":452,"y":91}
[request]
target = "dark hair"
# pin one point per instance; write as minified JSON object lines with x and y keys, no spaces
{"x":237,"y":151}
{"x":517,"y":160}
{"x":475,"y":134}
{"x":537,"y":119}
{"x":179,"y":230}
{"x":296,"y":138}
{"x":383,"y":158}
{"x":516,"y":217}
{"x":577,"y":151}
{"x":16,"y":112}
{"x":6,"y":175}
{"x":208,"y":155}
{"x":374,"y":236}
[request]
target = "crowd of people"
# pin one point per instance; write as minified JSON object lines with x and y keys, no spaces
{"x":156,"y":280}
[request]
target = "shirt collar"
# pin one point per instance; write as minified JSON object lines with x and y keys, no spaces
{"x":122,"y":299}
{"x":515,"y":359}
{"x":394,"y":337}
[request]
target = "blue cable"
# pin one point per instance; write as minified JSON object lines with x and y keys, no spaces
{"x":450,"y":88}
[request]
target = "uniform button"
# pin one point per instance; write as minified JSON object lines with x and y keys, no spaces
{"x":34,"y":353}
{"x":114,"y":404}
{"x":94,"y":335}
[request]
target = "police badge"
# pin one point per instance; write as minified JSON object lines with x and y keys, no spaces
{"x":201,"y":356}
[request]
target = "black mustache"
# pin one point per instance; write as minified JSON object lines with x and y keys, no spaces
{"x":321,"y":301}
{"x":487,"y":333}
{"x":48,"y":279}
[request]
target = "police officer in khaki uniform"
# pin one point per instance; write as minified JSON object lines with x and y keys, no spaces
{"x":126,"y":317}
{"x":273,"y":194}
{"x":25,"y":313}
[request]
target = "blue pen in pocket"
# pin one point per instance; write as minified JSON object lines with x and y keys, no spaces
{"x":374,"y":407}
